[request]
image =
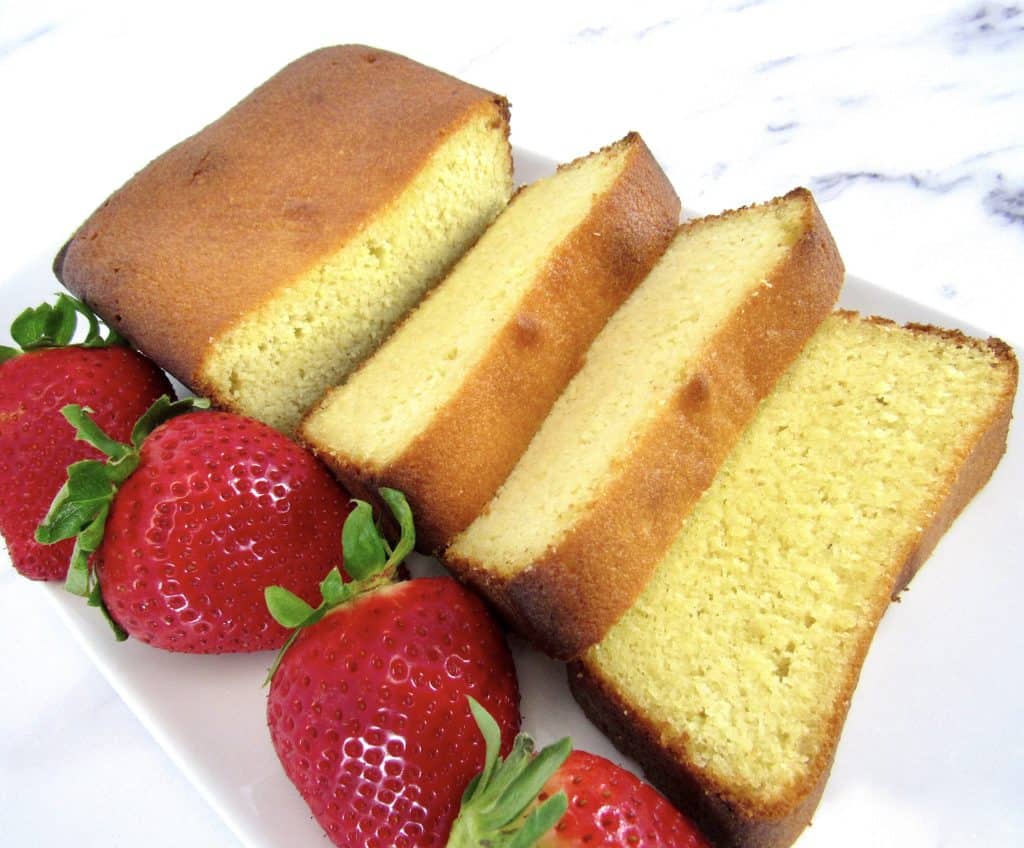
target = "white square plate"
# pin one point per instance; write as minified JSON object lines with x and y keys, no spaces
{"x":932,"y":753}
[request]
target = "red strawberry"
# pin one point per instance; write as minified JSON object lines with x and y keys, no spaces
{"x":206,"y":509}
{"x":367,"y":708}
{"x":582,"y":801}
{"x":613,"y":807}
{"x":36,"y":443}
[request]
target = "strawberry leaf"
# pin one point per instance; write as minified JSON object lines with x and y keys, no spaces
{"x":92,"y":534}
{"x":33,"y":327}
{"x":93,"y":337}
{"x":87,"y":490}
{"x":515,"y":762}
{"x":96,"y":600}
{"x":494,"y":804}
{"x":402,"y":512}
{"x":87,"y":430}
{"x":492,"y":738}
{"x":521,"y":791}
{"x":362,"y":543}
{"x":162,"y":410}
{"x":55,"y":325}
{"x":79,"y":579}
{"x":333,"y":589}
{"x":288,"y":609}
{"x":368,"y":561}
{"x":540,"y":821}
{"x":80,"y":507}
{"x":64,"y":321}
{"x":367,"y":553}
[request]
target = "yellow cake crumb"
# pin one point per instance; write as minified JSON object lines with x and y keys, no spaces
{"x":741,"y":647}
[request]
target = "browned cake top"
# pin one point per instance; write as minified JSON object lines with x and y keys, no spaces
{"x":222,"y":220}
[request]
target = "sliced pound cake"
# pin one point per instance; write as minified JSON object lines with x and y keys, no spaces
{"x":445,"y":408}
{"x":570,"y":539}
{"x":260,"y":260}
{"x":730,"y":677}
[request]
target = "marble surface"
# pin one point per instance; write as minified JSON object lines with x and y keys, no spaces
{"x":905,"y":118}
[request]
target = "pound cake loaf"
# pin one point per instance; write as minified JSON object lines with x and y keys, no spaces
{"x":262,"y":259}
{"x":569,"y":540}
{"x":445,"y":408}
{"x":730,"y":678}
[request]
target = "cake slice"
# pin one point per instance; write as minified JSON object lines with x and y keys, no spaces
{"x":445,"y":408}
{"x":570,"y":539}
{"x":730,"y":677}
{"x":263,"y":258}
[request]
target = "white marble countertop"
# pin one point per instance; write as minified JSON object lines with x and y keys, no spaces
{"x":905,"y":118}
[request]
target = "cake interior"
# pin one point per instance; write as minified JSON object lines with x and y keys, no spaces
{"x":285,"y":353}
{"x":740,"y":648}
{"x":632,"y":369}
{"x":386,"y":403}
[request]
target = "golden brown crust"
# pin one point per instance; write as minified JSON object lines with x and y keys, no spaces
{"x":569,"y":598}
{"x":727,"y":817}
{"x":455,"y":465}
{"x":222,"y":221}
{"x":973,"y":473}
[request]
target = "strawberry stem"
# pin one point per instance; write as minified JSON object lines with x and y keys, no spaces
{"x":369,"y":560}
{"x":495,"y":803}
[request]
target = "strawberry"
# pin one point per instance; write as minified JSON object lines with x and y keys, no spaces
{"x":36,"y":444}
{"x":613,"y":807}
{"x":563,"y":800}
{"x":367,"y":706}
{"x":190,"y":521}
